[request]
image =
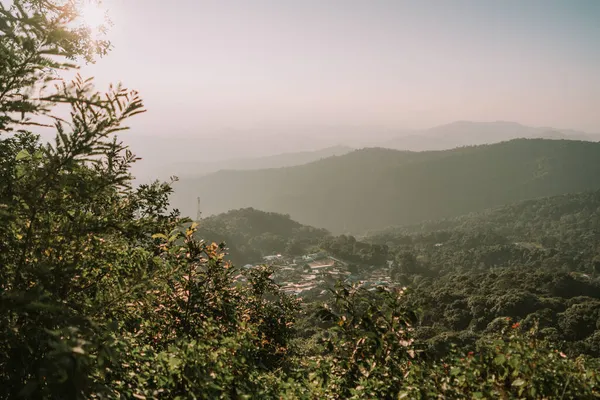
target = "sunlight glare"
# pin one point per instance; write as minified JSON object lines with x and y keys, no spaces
{"x":93,"y":16}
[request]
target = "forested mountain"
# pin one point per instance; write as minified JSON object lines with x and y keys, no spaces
{"x":375,"y":188}
{"x":251,"y":234}
{"x":572,"y":216}
{"x":469,"y":133}
{"x":536,"y":262}
{"x":281,"y":146}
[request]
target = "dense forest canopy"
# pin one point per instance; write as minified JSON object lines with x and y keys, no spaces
{"x":537,"y":261}
{"x":108,"y":293}
{"x":377,"y":188}
{"x":571,"y":220}
{"x":252,"y":234}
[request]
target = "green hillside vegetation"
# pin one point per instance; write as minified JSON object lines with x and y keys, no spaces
{"x":252,"y":234}
{"x":534,"y":219}
{"x":376,"y":188}
{"x":537,"y":262}
{"x":105,"y":293}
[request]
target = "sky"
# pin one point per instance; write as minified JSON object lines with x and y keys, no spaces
{"x":233,"y":70}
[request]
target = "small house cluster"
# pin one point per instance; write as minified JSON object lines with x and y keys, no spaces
{"x":312,"y":274}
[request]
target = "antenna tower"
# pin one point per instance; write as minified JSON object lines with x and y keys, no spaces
{"x":199,"y":211}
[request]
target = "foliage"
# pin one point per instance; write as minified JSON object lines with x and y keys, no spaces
{"x":371,"y":353}
{"x":349,"y":249}
{"x":38,"y":38}
{"x":252,"y":234}
{"x":101,"y":291}
{"x":511,"y":365}
{"x":531,"y":261}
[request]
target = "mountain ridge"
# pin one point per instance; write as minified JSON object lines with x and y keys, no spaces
{"x":467,"y":133}
{"x":374,"y":188}
{"x":195,"y":168}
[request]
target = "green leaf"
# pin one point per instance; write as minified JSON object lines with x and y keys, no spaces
{"x":159,"y":236}
{"x":20,"y":171}
{"x":518,"y":382}
{"x":23,"y":155}
{"x":174,"y":363}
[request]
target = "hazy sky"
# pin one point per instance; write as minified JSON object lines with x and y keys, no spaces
{"x":399,"y":64}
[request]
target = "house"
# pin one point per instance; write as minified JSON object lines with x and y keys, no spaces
{"x":272,"y":258}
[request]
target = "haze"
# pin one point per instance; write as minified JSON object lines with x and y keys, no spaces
{"x":263,"y":77}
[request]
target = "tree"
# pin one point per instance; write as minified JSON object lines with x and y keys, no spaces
{"x":406,"y":263}
{"x":104,"y":292}
{"x":69,"y":214}
{"x":37,"y":40}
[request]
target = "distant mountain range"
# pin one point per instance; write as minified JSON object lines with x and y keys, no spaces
{"x":468,"y":133}
{"x":193,"y":155}
{"x":199,"y":168}
{"x":375,"y":188}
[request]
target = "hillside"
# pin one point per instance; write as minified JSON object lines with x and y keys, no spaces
{"x":376,"y":188}
{"x":251,"y":234}
{"x":571,"y":217}
{"x":469,"y":133}
{"x":536,"y":261}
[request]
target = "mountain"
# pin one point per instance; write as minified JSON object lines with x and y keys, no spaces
{"x":535,"y":261}
{"x":374,"y":188}
{"x":191,"y":168}
{"x":251,"y":234}
{"x":469,"y":133}
{"x":572,"y":218}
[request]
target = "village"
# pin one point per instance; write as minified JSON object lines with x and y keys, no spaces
{"x":311,"y":275}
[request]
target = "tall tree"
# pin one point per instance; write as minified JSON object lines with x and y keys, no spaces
{"x":68,"y":212}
